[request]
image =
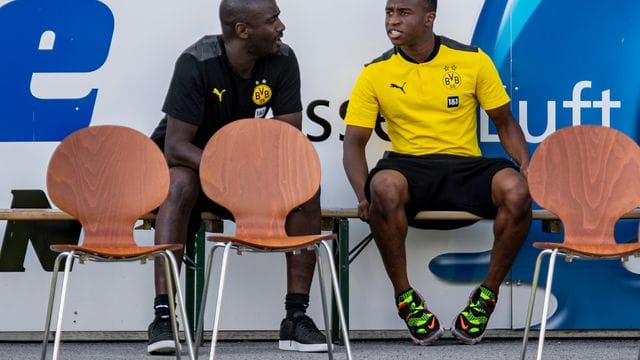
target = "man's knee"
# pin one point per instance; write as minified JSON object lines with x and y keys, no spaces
{"x":389,"y":189}
{"x":514,"y":195}
{"x":305,"y":219}
{"x":184,"y":187}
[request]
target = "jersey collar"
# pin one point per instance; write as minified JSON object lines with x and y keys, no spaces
{"x":434,"y":52}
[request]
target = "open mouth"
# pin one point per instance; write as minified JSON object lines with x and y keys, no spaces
{"x":394,"y":34}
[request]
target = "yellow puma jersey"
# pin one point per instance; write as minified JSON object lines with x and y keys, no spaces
{"x":430,"y":107}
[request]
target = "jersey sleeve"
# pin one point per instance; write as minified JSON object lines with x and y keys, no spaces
{"x":286,"y":100}
{"x":185,"y":98}
{"x":363,"y":104}
{"x":490,"y":91}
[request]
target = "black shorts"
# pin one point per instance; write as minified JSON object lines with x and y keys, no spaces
{"x":444,"y":182}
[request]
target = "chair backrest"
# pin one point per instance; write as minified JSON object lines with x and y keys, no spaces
{"x":259,"y":170}
{"x":589,"y":176}
{"x":107,"y":177}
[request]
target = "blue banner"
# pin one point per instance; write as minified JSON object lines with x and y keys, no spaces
{"x":564,"y":63}
{"x":48,"y":37}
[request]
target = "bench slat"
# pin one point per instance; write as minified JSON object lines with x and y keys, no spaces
{"x":539,"y":214}
{"x":55,"y":214}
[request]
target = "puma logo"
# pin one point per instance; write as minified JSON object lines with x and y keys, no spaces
{"x":219,"y":93}
{"x":394,"y":86}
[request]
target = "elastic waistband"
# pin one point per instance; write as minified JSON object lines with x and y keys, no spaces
{"x":391,"y":154}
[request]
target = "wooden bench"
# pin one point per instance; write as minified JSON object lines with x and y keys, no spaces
{"x":333,"y":219}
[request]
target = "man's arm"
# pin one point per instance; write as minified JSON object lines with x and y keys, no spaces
{"x":294,"y":119}
{"x":511,"y":136}
{"x":178,"y":147}
{"x":355,"y":164}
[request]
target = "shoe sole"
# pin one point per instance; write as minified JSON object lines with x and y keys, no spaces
{"x":163,"y":347}
{"x":291,"y":345}
{"x":462,"y":337}
{"x":428,"y":341}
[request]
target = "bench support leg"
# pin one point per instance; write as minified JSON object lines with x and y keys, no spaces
{"x":341,"y":252}
{"x":195,"y":277}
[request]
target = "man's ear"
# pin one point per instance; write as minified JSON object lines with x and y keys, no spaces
{"x":242,"y":30}
{"x":429,"y":19}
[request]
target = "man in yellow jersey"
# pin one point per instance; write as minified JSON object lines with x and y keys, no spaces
{"x":428,"y":88}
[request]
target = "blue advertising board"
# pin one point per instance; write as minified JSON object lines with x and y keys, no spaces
{"x":45,"y":37}
{"x":564,"y":63}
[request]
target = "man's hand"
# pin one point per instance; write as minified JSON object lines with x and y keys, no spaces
{"x":363,"y":210}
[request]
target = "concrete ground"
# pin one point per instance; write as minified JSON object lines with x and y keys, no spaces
{"x":446,"y":348}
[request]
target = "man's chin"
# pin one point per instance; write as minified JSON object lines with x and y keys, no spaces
{"x":276,"y":48}
{"x":396,"y":41}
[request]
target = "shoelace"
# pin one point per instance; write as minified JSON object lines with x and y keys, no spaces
{"x":307,"y":325}
{"x":481,"y":309}
{"x":411,"y":309}
{"x":162,"y":327}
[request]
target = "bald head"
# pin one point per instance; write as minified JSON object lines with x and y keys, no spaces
{"x":232,"y":12}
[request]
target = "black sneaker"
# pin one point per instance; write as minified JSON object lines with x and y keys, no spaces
{"x":299,"y":333}
{"x":161,"y":339}
{"x":470,"y":325}
{"x":424,"y":327}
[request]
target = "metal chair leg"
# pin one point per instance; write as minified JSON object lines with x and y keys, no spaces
{"x":203,"y":300}
{"x":545,"y":307}
{"x":172,"y":314}
{"x":216,"y":315}
{"x":325,"y":299}
{"x":63,"y":296}
{"x":336,"y":293}
{"x":52,"y":296}
{"x":532,"y":299}
{"x":183,"y":311}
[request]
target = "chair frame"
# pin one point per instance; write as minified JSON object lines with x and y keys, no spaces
{"x":553,"y":254}
{"x":261,"y":228}
{"x":85,"y":178}
{"x":172,"y":277}
{"x":579,"y":244}
{"x":227,"y":246}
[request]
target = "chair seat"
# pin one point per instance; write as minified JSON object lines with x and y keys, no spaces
{"x":274,"y":243}
{"x":596,"y":251}
{"x":122,"y":252}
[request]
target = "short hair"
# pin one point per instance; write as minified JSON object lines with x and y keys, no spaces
{"x":430,"y":5}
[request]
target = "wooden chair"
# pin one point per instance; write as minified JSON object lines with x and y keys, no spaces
{"x":260,"y":170}
{"x":107,"y":177}
{"x":589,"y":176}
